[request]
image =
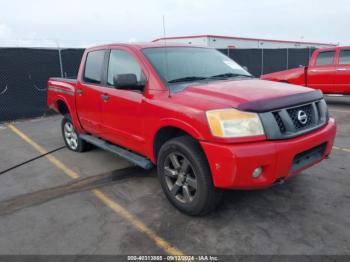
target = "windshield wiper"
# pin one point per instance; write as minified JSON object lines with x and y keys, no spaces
{"x":228,"y":75}
{"x":195,"y":78}
{"x":187,"y":79}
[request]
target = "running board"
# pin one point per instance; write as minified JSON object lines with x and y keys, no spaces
{"x":134,"y":158}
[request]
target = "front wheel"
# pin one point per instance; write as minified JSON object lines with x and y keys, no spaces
{"x":71,"y":137}
{"x":185,"y":176}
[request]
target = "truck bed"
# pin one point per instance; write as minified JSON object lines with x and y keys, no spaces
{"x":61,"y":89}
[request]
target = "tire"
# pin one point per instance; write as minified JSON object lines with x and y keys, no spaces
{"x":185,"y":177}
{"x":71,"y":137}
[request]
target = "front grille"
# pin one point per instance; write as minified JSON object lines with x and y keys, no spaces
{"x":294,"y":121}
{"x":293,"y":114}
{"x":279,"y":121}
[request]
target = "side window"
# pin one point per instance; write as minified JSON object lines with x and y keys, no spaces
{"x":93,"y":67}
{"x":121,"y":62}
{"x":325,"y":58}
{"x":344,"y":58}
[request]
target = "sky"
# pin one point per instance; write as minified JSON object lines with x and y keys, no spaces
{"x":80,"y":23}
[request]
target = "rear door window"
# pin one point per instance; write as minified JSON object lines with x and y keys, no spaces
{"x":325,"y":58}
{"x":344,"y":58}
{"x":93,"y":67}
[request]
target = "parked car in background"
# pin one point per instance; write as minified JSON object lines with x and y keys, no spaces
{"x":328,"y":71}
{"x":193,"y":112}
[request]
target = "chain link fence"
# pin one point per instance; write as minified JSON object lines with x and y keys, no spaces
{"x":263,"y":61}
{"x":24,"y":73}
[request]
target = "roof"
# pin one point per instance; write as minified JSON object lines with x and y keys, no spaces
{"x":242,"y":38}
{"x":138,"y":45}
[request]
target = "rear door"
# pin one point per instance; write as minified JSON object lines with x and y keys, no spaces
{"x":89,"y":91}
{"x":342,"y":76}
{"x":321,"y":74}
{"x":122,"y":116}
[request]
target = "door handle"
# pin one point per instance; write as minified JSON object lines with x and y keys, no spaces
{"x":79,"y":92}
{"x":341,"y":69}
{"x":105,"y":97}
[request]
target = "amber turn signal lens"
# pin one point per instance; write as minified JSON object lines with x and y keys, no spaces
{"x":234,"y":123}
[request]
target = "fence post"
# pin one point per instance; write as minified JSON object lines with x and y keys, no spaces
{"x":60,"y":58}
{"x":262,"y":61}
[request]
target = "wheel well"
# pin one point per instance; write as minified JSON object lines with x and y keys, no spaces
{"x":62,"y":107}
{"x":164,"y":134}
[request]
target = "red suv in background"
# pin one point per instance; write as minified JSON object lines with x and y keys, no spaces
{"x":328,"y":71}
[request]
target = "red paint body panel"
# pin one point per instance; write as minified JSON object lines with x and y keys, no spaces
{"x":294,"y":76}
{"x":89,"y":116}
{"x":132,"y":119}
{"x":330,"y":79}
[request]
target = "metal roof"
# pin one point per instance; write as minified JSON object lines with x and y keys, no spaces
{"x":243,"y":38}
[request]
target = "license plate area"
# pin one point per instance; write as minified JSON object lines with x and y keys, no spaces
{"x":307,"y":157}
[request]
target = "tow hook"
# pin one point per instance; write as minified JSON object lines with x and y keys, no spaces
{"x":279,"y":181}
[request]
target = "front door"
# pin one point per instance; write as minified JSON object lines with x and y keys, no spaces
{"x":88,"y":93}
{"x":321,"y":74}
{"x":122,"y":119}
{"x":342,"y":76}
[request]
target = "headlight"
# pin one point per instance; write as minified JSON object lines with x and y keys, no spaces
{"x":234,"y":123}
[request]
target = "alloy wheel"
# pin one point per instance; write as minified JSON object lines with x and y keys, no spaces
{"x":70,"y":135}
{"x":180,"y":177}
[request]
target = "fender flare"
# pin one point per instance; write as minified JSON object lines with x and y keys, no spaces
{"x":175,"y":123}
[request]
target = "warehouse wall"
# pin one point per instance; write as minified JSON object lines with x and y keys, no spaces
{"x":217,"y":42}
{"x":240,"y":43}
{"x":24,"y":73}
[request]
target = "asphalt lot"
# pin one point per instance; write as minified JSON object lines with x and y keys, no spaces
{"x":95,"y":203}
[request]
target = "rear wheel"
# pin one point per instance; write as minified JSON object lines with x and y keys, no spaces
{"x":71,"y":137}
{"x":185,"y":176}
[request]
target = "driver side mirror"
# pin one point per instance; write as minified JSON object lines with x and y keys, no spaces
{"x":127,"y":82}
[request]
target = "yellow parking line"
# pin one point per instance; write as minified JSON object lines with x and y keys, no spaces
{"x":42,"y":150}
{"x":342,"y":149}
{"x":117,"y":208}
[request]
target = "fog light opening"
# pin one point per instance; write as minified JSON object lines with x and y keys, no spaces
{"x":257,"y":172}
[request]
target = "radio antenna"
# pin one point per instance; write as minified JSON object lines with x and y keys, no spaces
{"x":166,"y":55}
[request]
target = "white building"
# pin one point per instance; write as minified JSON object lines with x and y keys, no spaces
{"x":223,"y":42}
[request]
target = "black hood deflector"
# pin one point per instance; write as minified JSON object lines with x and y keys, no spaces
{"x":270,"y":104}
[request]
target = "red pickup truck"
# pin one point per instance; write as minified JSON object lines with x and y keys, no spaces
{"x":204,"y":121}
{"x":328,"y":71}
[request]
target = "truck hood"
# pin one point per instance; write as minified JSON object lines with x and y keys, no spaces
{"x":286,"y":75}
{"x":251,"y":94}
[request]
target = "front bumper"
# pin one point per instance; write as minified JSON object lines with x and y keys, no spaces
{"x":232,"y":165}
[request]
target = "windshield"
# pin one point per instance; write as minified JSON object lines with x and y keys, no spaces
{"x":190,"y":64}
